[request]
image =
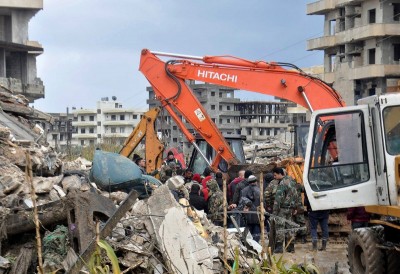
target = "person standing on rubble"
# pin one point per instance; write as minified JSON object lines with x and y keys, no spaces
{"x":285,"y":207}
{"x":252,"y":192}
{"x":207,"y":175}
{"x":171,"y":159}
{"x":239,"y":188}
{"x":270,"y":185}
{"x":141,"y":163}
{"x":233,"y":184}
{"x":215,"y":203}
{"x":196,"y":200}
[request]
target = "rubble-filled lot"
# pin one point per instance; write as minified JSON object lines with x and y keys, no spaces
{"x":154,"y":235}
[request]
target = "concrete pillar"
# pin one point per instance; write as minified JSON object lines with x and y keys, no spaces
{"x":2,"y":63}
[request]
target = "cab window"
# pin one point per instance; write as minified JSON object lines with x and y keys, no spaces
{"x":339,"y":156}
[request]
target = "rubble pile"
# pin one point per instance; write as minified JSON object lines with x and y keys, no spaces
{"x":271,"y":150}
{"x":156,"y":235}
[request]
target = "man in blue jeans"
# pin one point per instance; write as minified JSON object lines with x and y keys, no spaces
{"x":317,"y":217}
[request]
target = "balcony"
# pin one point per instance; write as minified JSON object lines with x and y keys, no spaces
{"x":85,"y":136}
{"x":84,"y":111}
{"x":116,"y":135}
{"x":372,"y":71}
{"x":119,"y":123}
{"x":320,"y":7}
{"x":324,"y":6}
{"x":353,"y":35}
{"x":84,"y":124}
{"x":23,"y":4}
{"x":321,"y":43}
{"x":231,"y":113}
{"x":232,"y":126}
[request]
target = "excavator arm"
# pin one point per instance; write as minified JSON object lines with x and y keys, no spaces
{"x":168,"y":81}
{"x":154,"y":148}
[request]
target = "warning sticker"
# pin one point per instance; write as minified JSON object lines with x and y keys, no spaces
{"x":200,"y":115}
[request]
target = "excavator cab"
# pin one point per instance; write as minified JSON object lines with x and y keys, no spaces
{"x":197,"y":163}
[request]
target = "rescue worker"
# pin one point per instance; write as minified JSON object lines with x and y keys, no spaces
{"x":285,"y":206}
{"x":252,"y":192}
{"x":215,"y":203}
{"x":171,"y":159}
{"x":238,"y":190}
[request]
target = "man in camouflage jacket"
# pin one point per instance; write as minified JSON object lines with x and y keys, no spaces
{"x":285,"y":207}
{"x":215,"y":203}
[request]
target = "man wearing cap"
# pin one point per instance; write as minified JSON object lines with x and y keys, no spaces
{"x":171,"y":159}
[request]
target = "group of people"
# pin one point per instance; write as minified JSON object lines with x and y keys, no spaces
{"x":283,"y":203}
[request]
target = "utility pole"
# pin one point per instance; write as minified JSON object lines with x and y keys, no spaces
{"x":69,"y":134}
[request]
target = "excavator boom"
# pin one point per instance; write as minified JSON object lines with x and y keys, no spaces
{"x":154,"y":148}
{"x":168,"y":81}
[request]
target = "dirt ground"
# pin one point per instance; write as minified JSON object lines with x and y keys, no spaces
{"x":333,"y":260}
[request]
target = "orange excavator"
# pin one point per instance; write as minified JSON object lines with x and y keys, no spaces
{"x":282,"y":80}
{"x":352,"y":157}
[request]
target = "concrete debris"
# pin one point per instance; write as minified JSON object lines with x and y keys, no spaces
{"x":273,"y":149}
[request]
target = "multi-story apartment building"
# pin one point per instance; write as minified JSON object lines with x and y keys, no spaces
{"x":110,"y":122}
{"x":361,"y":44}
{"x":17,"y":52}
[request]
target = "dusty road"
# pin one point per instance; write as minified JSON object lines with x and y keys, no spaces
{"x":336,"y":254}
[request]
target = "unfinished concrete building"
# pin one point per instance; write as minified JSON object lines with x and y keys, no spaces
{"x":361,"y":44}
{"x":263,"y":119}
{"x":17,"y":53}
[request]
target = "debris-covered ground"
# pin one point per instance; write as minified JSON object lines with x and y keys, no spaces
{"x":154,"y":235}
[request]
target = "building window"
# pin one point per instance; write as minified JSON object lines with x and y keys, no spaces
{"x":174,"y":127}
{"x":82,"y":118}
{"x":82,"y":142}
{"x":98,"y":111}
{"x":113,"y":130}
{"x":116,"y":105}
{"x":396,"y":11}
{"x":91,"y":142}
{"x":99,"y":123}
{"x":238,"y":131}
{"x":396,"y":52}
{"x":212,"y":93}
{"x":83,"y":130}
{"x":213,"y":119}
{"x":175,"y":140}
{"x":98,"y":135}
{"x":220,"y":107}
{"x":220,"y":95}
{"x":134,"y":116}
{"x":228,"y":121}
{"x":212,"y":107}
{"x":220,"y":120}
{"x":121,"y":130}
{"x":249,"y":131}
{"x":91,"y":130}
{"x":91,"y":118}
{"x":122,"y":117}
{"x":371,"y":56}
{"x":372,"y":16}
{"x":113,"y":117}
{"x":228,"y":107}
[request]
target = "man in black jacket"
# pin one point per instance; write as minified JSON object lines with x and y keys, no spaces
{"x":196,"y":200}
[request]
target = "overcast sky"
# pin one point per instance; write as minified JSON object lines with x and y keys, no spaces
{"x":92,"y":47}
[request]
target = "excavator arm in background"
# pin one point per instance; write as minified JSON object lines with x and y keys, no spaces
{"x":154,"y":148}
{"x":168,"y":82}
